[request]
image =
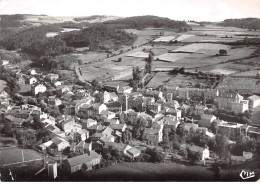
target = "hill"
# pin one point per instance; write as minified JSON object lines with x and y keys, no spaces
{"x":98,"y":35}
{"x":250,"y":23}
{"x":140,"y":22}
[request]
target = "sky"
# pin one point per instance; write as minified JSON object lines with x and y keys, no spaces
{"x":199,"y":10}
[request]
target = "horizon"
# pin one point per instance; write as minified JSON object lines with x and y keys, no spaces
{"x":213,"y":11}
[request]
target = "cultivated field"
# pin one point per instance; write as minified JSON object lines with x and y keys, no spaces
{"x":165,"y":38}
{"x":204,"y":48}
{"x":87,"y":57}
{"x":164,"y":78}
{"x":243,"y":85}
{"x":138,"y":54}
{"x":247,"y":74}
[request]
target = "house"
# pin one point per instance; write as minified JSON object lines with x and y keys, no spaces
{"x":199,"y":110}
{"x":112,"y":87}
{"x":38,"y":88}
{"x":60,"y":143}
{"x":86,"y":123}
{"x":240,"y":107}
{"x":95,"y":109}
{"x":108,"y":114}
{"x":254,"y":101}
{"x":75,"y":164}
{"x":45,"y":145}
{"x":152,"y":136}
{"x":226,"y":98}
{"x":232,"y":130}
{"x":53,"y":76}
{"x":104,"y":139}
{"x":109,"y":97}
{"x":173,"y":104}
{"x":125,"y":89}
{"x":52,"y":128}
{"x":62,"y":89}
{"x":32,"y":72}
{"x":154,"y":106}
{"x":5,"y":62}
{"x":57,"y":83}
{"x":188,"y":126}
{"x":85,"y":161}
{"x":82,"y":147}
{"x":16,"y":122}
{"x":119,"y":127}
{"x":133,"y":152}
{"x":171,"y":123}
{"x":81,"y":135}
{"x":173,"y":111}
{"x":95,"y":128}
{"x":112,"y":121}
{"x":86,"y":102}
{"x":32,"y":80}
{"x":54,"y":101}
{"x":206,"y":120}
{"x":254,"y":132}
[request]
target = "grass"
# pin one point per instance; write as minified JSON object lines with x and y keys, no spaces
{"x":144,"y":171}
{"x":13,"y":155}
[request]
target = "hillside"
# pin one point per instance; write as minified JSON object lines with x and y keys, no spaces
{"x":140,"y":22}
{"x":98,"y":35}
{"x":250,"y":23}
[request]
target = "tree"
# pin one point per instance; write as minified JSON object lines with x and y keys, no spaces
{"x":182,"y":70}
{"x":166,"y":140}
{"x":223,"y":52}
{"x":155,"y":155}
{"x":148,"y":68}
{"x":194,"y":157}
{"x":96,"y":84}
{"x":222,"y":145}
{"x":7,"y":129}
{"x":134,"y":84}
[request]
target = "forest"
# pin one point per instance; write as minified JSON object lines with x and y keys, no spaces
{"x":249,"y":23}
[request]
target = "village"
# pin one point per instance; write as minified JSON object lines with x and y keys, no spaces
{"x":81,"y":129}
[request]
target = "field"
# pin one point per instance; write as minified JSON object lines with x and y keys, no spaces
{"x":231,"y":68}
{"x":189,"y":53}
{"x":243,"y":85}
{"x":203,"y":48}
{"x":246,"y":74}
{"x":183,"y":37}
{"x":164,"y":78}
{"x":14,"y":155}
{"x":159,"y":79}
{"x":139,"y":54}
{"x":143,"y":171}
{"x":87,"y":57}
{"x":165,"y":38}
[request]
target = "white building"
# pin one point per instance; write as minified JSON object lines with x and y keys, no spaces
{"x":37,"y":88}
{"x":254,"y":101}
